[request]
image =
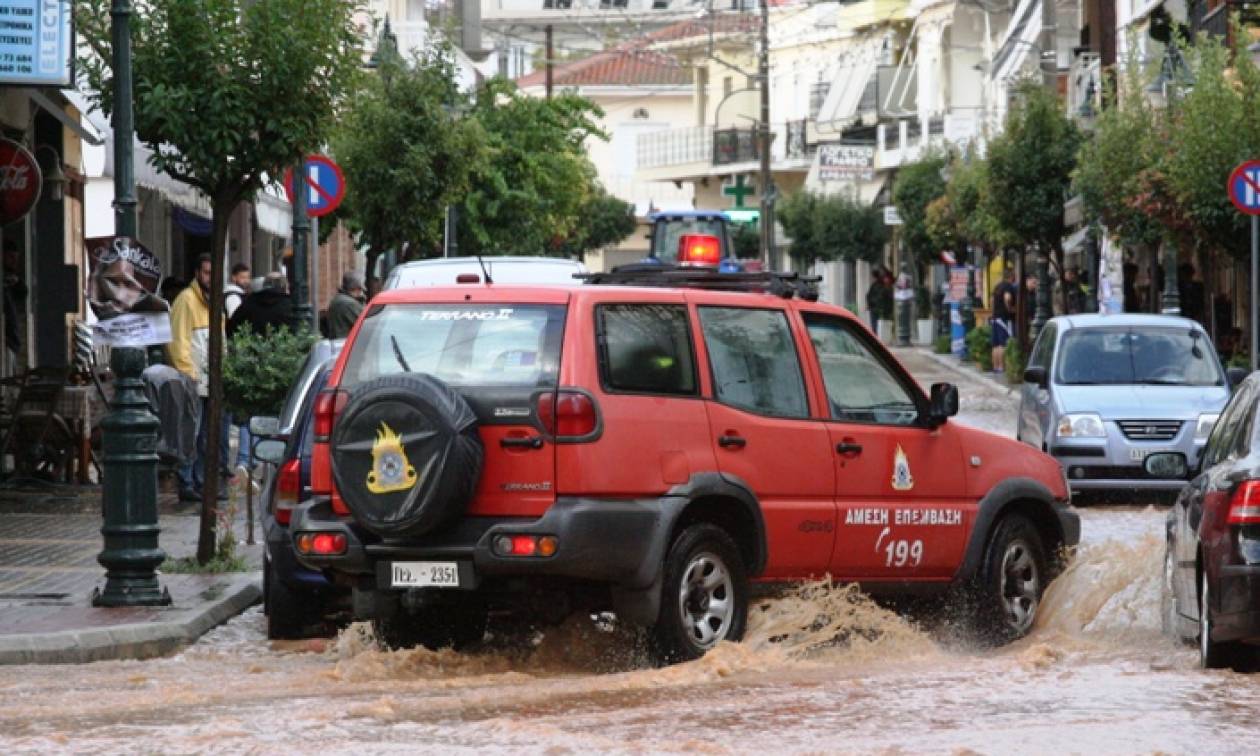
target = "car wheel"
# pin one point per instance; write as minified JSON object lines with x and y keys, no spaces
{"x":454,"y":625}
{"x":704,"y":595}
{"x":1011,"y":582}
{"x":1168,"y":599}
{"x":289,"y":611}
{"x":266,"y":584}
{"x":1212,"y":655}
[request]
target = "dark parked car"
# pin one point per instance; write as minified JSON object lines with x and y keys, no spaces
{"x":1212,"y":561}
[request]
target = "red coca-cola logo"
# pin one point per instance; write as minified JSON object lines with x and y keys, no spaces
{"x":20,"y":181}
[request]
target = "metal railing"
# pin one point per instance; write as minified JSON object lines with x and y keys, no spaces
{"x":658,"y":149}
{"x":735,"y":146}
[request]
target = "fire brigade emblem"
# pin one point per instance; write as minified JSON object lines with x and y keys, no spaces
{"x":390,"y":469}
{"x":902,"y":480}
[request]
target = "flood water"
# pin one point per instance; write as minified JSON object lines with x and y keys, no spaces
{"x":821,"y":670}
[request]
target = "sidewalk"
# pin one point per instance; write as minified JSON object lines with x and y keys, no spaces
{"x":985,"y":401}
{"x":49,"y":540}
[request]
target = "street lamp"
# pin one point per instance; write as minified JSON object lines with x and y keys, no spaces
{"x":1174,"y":78}
{"x":54,"y":178}
{"x":129,"y":460}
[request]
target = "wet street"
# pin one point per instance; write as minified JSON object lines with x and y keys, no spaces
{"x":821,"y":670}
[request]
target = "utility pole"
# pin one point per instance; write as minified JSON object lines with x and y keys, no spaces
{"x":768,"y":250}
{"x":550,"y":57}
{"x":129,"y":490}
{"x":1050,"y":79}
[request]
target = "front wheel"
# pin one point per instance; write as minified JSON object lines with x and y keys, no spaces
{"x":1011,"y":581}
{"x":704,"y":595}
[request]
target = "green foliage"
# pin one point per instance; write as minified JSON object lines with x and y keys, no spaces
{"x":1014,"y":361}
{"x":530,"y":190}
{"x":405,"y":153}
{"x":832,"y":227}
{"x":260,"y":369}
{"x":605,"y":221}
{"x":964,"y":214}
{"x":1030,"y":169}
{"x":746,"y":240}
{"x":1240,"y":359}
{"x":915,"y":187}
{"x":943,"y":345}
{"x":233,"y":562}
{"x":979,"y":348}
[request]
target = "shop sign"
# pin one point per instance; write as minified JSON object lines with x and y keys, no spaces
{"x":20,"y":181}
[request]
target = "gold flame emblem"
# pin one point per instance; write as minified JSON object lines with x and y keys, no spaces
{"x":390,"y":469}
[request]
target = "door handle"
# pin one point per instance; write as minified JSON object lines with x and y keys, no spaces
{"x":523,"y":442}
{"x":848,"y":448}
{"x":732,"y":442}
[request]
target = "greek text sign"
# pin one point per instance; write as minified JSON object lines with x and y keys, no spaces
{"x":846,"y":162}
{"x":35,"y":42}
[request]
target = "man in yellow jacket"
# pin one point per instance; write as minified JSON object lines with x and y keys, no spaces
{"x":189,"y":353}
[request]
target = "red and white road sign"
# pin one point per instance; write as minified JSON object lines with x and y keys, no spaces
{"x":20,"y":181}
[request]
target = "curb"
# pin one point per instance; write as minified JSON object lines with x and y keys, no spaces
{"x":951,"y":362}
{"x":143,"y":640}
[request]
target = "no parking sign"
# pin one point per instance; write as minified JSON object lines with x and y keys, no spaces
{"x":324,"y":184}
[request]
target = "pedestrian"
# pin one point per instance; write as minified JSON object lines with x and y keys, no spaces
{"x":270,"y":309}
{"x":903,"y":295}
{"x":14,"y":299}
{"x":1001,"y":325}
{"x":1191,"y":293}
{"x":875,"y":298}
{"x":234,"y":291}
{"x":343,"y":311}
{"x":189,"y":353}
{"x":1075,"y":292}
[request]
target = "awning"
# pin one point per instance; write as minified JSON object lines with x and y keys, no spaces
{"x":59,"y":112}
{"x":839,"y":108}
{"x":273,"y":213}
{"x":1076,"y":241}
{"x":1021,"y":37}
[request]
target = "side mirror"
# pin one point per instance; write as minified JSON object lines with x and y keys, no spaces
{"x":944,"y":403}
{"x":270,"y":451}
{"x":1166,"y":465}
{"x":1035,"y":375}
{"x":1235,"y":376}
{"x":264,"y":427}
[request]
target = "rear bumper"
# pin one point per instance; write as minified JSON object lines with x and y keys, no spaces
{"x":621,"y":542}
{"x":1238,"y":604}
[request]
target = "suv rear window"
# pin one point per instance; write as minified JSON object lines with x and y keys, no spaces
{"x":464,"y":345}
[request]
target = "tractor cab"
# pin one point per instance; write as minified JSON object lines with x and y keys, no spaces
{"x":694,"y":238}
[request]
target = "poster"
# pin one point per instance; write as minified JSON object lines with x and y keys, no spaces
{"x":36,"y":43}
{"x":122,"y":293}
{"x":846,"y":162}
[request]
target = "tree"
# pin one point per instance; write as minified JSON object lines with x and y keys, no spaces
{"x":796,"y":214}
{"x":606,"y":221}
{"x":1030,"y":171}
{"x":227,"y":94}
{"x":531,"y":189}
{"x":406,"y":153}
{"x":916,"y":186}
{"x":849,"y":230}
{"x":964,"y":214}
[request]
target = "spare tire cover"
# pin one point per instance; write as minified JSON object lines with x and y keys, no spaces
{"x":406,"y":455}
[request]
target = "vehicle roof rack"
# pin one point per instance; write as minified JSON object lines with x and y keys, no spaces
{"x":786,"y":285}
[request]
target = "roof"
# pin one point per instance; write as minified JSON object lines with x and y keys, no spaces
{"x":1125,"y":320}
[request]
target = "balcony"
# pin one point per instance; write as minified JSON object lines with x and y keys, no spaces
{"x":675,"y":147}
{"x":677,"y":154}
{"x":906,"y":140}
{"x":735,"y":146}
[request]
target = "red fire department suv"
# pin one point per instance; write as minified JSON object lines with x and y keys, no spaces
{"x":650,"y":443}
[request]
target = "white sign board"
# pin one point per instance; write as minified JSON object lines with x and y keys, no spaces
{"x":846,"y":162}
{"x":36,"y":43}
{"x":891,"y":216}
{"x":136,"y":329}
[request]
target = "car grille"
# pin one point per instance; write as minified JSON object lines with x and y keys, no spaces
{"x":1149,"y":430}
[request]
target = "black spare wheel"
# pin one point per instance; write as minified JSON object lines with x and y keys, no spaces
{"x":405,"y":454}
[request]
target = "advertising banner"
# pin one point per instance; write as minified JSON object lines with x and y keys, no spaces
{"x":122,"y":293}
{"x":36,"y":43}
{"x":846,"y":162}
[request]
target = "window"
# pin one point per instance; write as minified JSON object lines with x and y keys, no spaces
{"x":860,"y":387}
{"x":1224,"y":438}
{"x":1148,"y":356}
{"x":646,"y":349}
{"x":1043,"y":349}
{"x":754,"y":361}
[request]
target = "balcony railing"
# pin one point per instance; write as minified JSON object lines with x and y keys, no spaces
{"x":709,"y":146}
{"x":658,"y":149}
{"x":906,"y":140}
{"x":735,"y":146}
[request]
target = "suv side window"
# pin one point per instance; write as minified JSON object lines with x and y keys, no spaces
{"x":1043,"y":350}
{"x":1224,"y":434}
{"x":646,"y":348}
{"x":754,"y":361}
{"x":860,"y":387}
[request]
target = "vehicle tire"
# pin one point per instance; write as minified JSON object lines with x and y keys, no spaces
{"x":1168,"y":614}
{"x":704,"y":595}
{"x":266,"y":584}
{"x":1212,"y":655}
{"x":454,"y":625}
{"x":1012,"y":578}
{"x":290,"y":612}
{"x":406,"y":455}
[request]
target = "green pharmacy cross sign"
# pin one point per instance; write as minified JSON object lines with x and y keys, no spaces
{"x":737,"y":189}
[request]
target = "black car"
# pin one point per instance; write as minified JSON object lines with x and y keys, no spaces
{"x":1212,"y":561}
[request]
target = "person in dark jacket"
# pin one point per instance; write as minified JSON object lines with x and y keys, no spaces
{"x":344,"y":309}
{"x":272,"y":307}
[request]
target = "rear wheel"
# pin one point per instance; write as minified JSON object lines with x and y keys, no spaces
{"x":457,"y":625}
{"x":289,"y":612}
{"x":1212,"y":655}
{"x":1011,"y":581}
{"x":704,"y":596}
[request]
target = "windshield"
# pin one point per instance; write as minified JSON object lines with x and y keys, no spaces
{"x":670,"y":230}
{"x":1147,"y":356}
{"x":444,"y":273}
{"x":464,"y":345}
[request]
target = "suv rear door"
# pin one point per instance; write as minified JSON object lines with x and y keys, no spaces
{"x":500,"y":349}
{"x":764,"y":432}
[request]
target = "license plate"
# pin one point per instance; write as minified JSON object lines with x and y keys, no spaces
{"x":1140,"y":455}
{"x":424,"y":575}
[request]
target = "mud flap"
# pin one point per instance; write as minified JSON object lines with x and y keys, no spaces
{"x":638,"y":607}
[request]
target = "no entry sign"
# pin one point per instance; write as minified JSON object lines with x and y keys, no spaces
{"x":1244,"y":187}
{"x":324,"y":184}
{"x":20,"y":181}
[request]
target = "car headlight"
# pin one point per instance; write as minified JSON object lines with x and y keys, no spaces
{"x":1082,"y":425}
{"x":1205,"y":425}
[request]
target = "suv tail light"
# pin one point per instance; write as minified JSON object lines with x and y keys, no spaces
{"x":1244,"y":507}
{"x":699,"y":249}
{"x":288,"y":490}
{"x":567,"y":414}
{"x":328,"y":405}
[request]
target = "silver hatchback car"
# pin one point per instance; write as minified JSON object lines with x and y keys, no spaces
{"x":1101,"y":392}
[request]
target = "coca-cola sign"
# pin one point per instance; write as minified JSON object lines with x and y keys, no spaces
{"x":20,"y":181}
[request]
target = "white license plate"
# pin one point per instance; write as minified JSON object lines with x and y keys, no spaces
{"x":1140,"y":455}
{"x":424,"y":574}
